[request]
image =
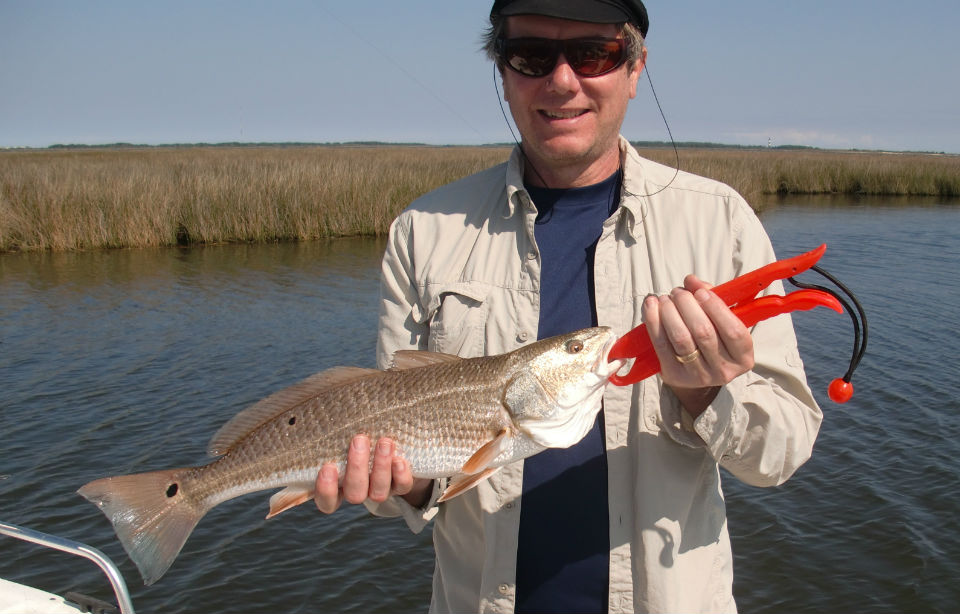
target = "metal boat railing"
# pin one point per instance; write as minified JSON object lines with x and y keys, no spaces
{"x":73,"y":547}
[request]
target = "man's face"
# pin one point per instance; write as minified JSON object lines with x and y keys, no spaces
{"x":568,"y":121}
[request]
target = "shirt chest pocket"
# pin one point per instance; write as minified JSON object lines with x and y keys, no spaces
{"x":458,"y":319}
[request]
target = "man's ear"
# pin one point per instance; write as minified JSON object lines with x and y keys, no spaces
{"x":636,"y":69}
{"x":506,"y":87}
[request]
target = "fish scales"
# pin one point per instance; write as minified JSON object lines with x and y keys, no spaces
{"x":438,"y":418}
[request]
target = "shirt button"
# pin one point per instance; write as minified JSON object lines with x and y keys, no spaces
{"x":523,"y":336}
{"x":531,"y":255}
{"x":504,"y":589}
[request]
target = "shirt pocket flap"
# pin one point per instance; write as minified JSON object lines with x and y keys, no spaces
{"x":435,"y":294}
{"x":457,"y":316}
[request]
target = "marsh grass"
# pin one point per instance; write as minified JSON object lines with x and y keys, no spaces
{"x":63,"y":199}
{"x":773,"y":171}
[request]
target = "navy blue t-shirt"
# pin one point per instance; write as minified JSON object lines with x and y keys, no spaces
{"x":564,"y":541}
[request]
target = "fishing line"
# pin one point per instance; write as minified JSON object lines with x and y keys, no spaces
{"x":673,"y":143}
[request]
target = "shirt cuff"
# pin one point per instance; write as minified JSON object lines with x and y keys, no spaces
{"x":415,"y":517}
{"x":723,"y":422}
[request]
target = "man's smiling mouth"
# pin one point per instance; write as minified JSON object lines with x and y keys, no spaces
{"x":563,"y":114}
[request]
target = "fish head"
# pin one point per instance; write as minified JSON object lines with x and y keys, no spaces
{"x":556,"y":392}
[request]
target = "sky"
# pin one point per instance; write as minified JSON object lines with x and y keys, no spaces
{"x":864,"y":74}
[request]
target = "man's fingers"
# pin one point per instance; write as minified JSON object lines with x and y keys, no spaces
{"x":327,"y":489}
{"x":387,"y":474}
{"x":382,"y":474}
{"x":356,"y":477}
{"x":697,"y":327}
{"x":697,"y":331}
{"x":402,"y":476}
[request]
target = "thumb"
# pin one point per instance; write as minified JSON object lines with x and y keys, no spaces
{"x":693,"y":283}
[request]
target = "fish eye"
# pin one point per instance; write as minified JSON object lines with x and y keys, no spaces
{"x":574,"y":346}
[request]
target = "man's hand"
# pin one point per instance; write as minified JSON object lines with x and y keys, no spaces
{"x":390,"y":475}
{"x":700,"y":343}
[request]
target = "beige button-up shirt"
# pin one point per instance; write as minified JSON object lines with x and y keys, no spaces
{"x":461,"y":275}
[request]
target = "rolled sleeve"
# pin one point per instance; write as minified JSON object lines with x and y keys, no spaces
{"x":415,"y":517}
{"x":762,"y":426}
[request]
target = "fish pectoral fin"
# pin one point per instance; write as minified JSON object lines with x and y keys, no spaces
{"x":489,"y":451}
{"x":462,"y":483}
{"x":291,"y":496}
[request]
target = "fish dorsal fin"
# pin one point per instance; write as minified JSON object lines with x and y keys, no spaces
{"x":409,"y":359}
{"x":266,"y":409}
{"x":462,"y":483}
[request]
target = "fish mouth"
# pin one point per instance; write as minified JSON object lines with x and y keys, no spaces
{"x":604,"y":364}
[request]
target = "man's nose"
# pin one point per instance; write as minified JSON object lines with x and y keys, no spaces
{"x":563,"y":78}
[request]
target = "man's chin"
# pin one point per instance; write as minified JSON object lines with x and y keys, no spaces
{"x":564,"y":150}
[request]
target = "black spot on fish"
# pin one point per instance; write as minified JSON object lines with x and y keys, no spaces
{"x":292,"y":420}
{"x":172,"y":489}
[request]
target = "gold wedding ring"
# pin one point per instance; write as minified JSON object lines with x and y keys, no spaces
{"x":688,"y":358}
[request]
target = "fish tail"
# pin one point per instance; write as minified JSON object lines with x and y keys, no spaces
{"x":151,"y":515}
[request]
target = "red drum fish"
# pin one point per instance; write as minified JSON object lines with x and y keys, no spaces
{"x":462,"y":418}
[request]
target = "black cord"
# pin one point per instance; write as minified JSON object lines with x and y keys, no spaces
{"x":859,"y":341}
{"x":676,"y":152}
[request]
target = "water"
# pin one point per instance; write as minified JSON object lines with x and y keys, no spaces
{"x":870,"y":522}
{"x":120,"y":361}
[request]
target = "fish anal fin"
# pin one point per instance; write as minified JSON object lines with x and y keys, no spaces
{"x":291,"y":496}
{"x":489,"y":451}
{"x":277,"y":403}
{"x":462,"y":483}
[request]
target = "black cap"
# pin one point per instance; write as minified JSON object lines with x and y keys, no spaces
{"x":591,"y":11}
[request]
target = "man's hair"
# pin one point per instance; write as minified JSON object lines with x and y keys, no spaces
{"x":498,"y":25}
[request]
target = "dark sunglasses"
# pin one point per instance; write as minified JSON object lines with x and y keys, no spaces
{"x":537,"y":57}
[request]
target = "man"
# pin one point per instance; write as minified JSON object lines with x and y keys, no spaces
{"x":577,"y":229}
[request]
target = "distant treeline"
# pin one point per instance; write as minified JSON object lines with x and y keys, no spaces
{"x":67,"y":198}
{"x":642,"y":144}
{"x":257,"y":144}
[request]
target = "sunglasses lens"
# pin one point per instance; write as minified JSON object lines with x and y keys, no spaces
{"x":593,"y":58}
{"x":537,"y":57}
{"x":530,"y":56}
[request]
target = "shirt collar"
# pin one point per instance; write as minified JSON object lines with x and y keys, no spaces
{"x":633,"y":199}
{"x":516,"y":193}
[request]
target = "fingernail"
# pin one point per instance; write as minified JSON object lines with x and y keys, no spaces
{"x":361,"y":443}
{"x":702,"y":295}
{"x":328,"y":473}
{"x":399,"y":465}
{"x":384,"y":448}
